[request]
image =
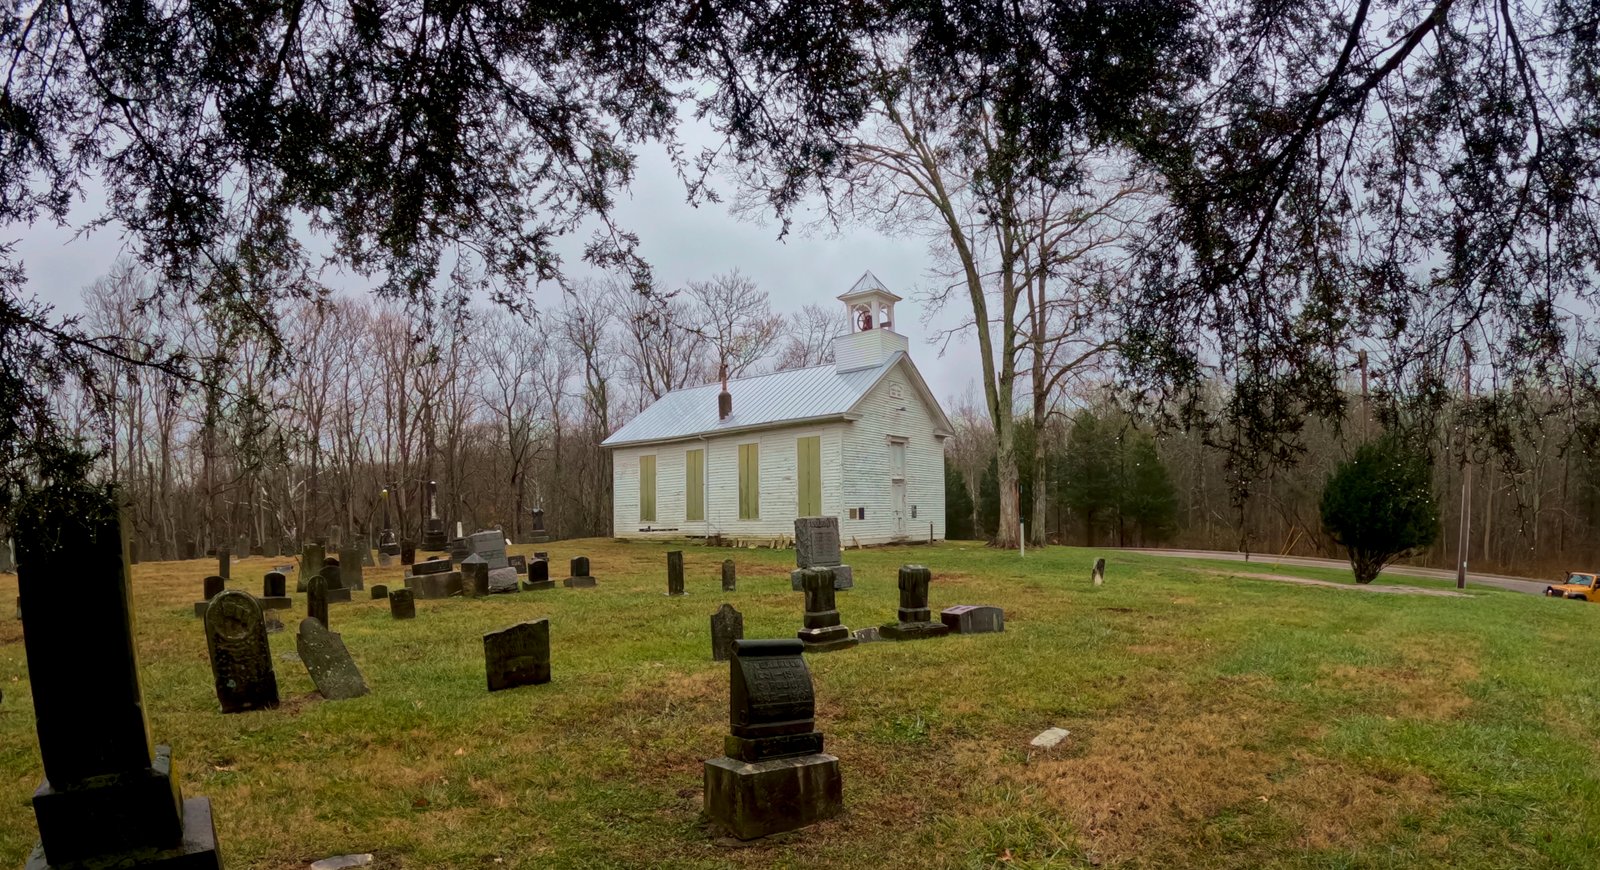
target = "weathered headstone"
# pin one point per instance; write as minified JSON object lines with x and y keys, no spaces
{"x":431,"y":566}
{"x":973,"y":618}
{"x":445,"y":585}
{"x":727,"y":626}
{"x":328,"y":662}
{"x":274,"y":585}
{"x":388,"y":542}
{"x":580,"y":578}
{"x":491,"y":545}
{"x":475,"y":575}
{"x":402,"y":604}
{"x":823,"y":631}
{"x":379,"y":592}
{"x":1099,"y":574}
{"x":241,"y":659}
{"x":317,"y":599}
{"x":536,"y":532}
{"x":730,"y":577}
{"x":915,"y":619}
{"x":502,"y":580}
{"x":408,"y":552}
{"x":110,"y":796}
{"x":518,"y":562}
{"x":540,"y":554}
{"x":224,"y":563}
{"x":333,"y":572}
{"x":538,"y":576}
{"x":675,"y":572}
{"x":816,"y":545}
{"x":459,"y":550}
{"x":350,"y":574}
{"x":311,"y":556}
{"x":774,"y":777}
{"x":518,"y":656}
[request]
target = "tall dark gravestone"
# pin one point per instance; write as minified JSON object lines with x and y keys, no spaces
{"x":388,"y":542}
{"x":274,"y":585}
{"x":580,"y":578}
{"x":475,"y":576}
{"x":109,"y":795}
{"x":210,"y":588}
{"x":538,"y":576}
{"x":915,"y":619}
{"x":730,"y":576}
{"x":350,"y":575}
{"x":224,"y":563}
{"x":537,"y":533}
{"x":311,"y":556}
{"x":241,"y":659}
{"x":317,"y":599}
{"x":727,"y":626}
{"x":675,"y":572}
{"x":823,"y":631}
{"x":518,"y":656}
{"x":774,"y":777}
{"x":434,"y":538}
{"x":402,"y":604}
{"x":408,"y":552}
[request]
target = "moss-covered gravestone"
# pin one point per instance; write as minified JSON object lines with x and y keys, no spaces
{"x":241,"y":659}
{"x":109,"y":797}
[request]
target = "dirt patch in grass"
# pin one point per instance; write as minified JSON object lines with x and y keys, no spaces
{"x":1429,"y":685}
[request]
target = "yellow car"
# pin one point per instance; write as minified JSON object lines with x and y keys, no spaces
{"x":1579,"y":584}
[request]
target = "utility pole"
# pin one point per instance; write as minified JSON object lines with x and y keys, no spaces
{"x":1466,"y":469}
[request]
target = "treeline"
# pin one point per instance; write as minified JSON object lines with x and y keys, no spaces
{"x":240,"y":440}
{"x":1113,"y":480}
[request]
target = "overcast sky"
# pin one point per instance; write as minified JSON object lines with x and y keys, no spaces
{"x":681,"y":242}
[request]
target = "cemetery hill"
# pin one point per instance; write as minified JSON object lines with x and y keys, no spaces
{"x":1210,"y":717}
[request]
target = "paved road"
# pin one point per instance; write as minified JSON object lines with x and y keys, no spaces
{"x":1515,"y":584}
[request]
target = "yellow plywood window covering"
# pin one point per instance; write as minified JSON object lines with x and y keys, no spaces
{"x":647,"y":489}
{"x":694,"y":485}
{"x":749,"y":481}
{"x":808,"y":475}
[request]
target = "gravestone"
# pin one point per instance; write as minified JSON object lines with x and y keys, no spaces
{"x":435,"y":586}
{"x":241,"y":659}
{"x":537,"y":533}
{"x":434,"y":538}
{"x":110,"y":795}
{"x":336,"y":537}
{"x":973,"y":618}
{"x":475,"y":575}
{"x":538,"y":576}
{"x":431,"y":566}
{"x":518,"y":656}
{"x":727,"y":626}
{"x":675,"y":572}
{"x":257,"y":550}
{"x":379,"y":592}
{"x":274,"y":585}
{"x":914,"y":617}
{"x":211,"y":587}
{"x":491,"y":545}
{"x":350,"y":574}
{"x":311,"y":556}
{"x":1099,"y":574}
{"x":540,"y":554}
{"x":580,"y":578}
{"x":518,"y":562}
{"x":774,"y":777}
{"x":730,"y":580}
{"x":317,"y":599}
{"x":224,"y":563}
{"x":402,"y":604}
{"x":502,"y":580}
{"x":328,"y":662}
{"x":388,"y":542}
{"x":816,"y":545}
{"x":337,"y":591}
{"x":823,"y":631}
{"x":459,"y":550}
{"x":408,"y":552}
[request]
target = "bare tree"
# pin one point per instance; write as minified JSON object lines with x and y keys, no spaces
{"x":663,"y":346}
{"x":736,"y":317}
{"x":809,"y":339}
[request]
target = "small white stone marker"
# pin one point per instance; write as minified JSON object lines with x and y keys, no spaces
{"x":1048,"y":739}
{"x":340,"y":862}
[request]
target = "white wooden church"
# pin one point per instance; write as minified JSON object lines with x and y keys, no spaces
{"x":861,"y":439}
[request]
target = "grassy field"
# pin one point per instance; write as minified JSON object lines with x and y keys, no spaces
{"x":1216,"y":722}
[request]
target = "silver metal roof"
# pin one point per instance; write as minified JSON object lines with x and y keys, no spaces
{"x":793,"y":396}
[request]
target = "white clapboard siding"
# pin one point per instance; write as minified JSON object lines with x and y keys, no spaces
{"x":855,"y":473}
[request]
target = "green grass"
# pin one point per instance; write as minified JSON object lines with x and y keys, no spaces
{"x":1216,"y":722}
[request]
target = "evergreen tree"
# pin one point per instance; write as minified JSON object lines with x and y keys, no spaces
{"x":989,"y":501}
{"x":958,"y":518}
{"x":1149,"y":500}
{"x":1379,"y":505}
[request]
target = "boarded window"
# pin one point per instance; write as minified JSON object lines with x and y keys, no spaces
{"x":808,"y":475}
{"x":694,"y":485}
{"x":749,"y":481}
{"x":647,"y":489}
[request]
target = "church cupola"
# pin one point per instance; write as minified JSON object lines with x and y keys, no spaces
{"x":872,"y":338}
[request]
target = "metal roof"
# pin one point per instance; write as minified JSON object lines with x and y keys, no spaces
{"x":780,"y":398}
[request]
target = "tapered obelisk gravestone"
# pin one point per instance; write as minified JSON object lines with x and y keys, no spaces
{"x":915,"y":619}
{"x":434,"y":538}
{"x":109,"y":796}
{"x":388,"y":541}
{"x":241,"y":660}
{"x":774,"y":777}
{"x":823,"y":631}
{"x":675,"y":572}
